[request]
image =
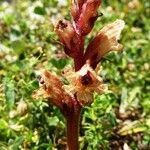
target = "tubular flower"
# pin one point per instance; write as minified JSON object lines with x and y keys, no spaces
{"x":65,"y":32}
{"x":104,"y":42}
{"x":69,"y":37}
{"x":52,"y":87}
{"x":83,"y":83}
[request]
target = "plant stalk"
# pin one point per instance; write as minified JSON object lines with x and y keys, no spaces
{"x":73,"y":120}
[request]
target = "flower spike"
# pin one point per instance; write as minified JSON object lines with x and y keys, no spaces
{"x":83,"y":79}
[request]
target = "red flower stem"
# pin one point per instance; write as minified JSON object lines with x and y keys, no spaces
{"x":78,"y":62}
{"x":73,"y":129}
{"x":79,"y":59}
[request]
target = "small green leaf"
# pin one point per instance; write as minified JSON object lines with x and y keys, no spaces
{"x":59,"y":64}
{"x":53,"y":121}
{"x":18,"y":46}
{"x":3,"y":124}
{"x":39,"y":10}
{"x":112,"y":119}
{"x":9,"y":91}
{"x":32,"y":85}
{"x":9,"y":19}
{"x":3,"y":147}
{"x":17,"y":143}
{"x":23,"y":25}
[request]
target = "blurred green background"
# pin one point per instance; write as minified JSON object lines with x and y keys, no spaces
{"x":118,"y":120}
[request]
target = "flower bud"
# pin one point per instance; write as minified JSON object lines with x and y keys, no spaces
{"x":76,"y":7}
{"x":104,"y":42}
{"x":65,"y":32}
{"x":69,"y":38}
{"x":81,"y":2}
{"x":74,"y":10}
{"x":88,"y":16}
{"x":12,"y":114}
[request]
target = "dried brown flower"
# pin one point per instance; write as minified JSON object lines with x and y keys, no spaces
{"x":52,"y":88}
{"x":83,"y":83}
{"x":104,"y":42}
{"x":66,"y":32}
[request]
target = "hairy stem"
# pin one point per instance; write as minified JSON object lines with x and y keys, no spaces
{"x":78,"y":63}
{"x":73,"y":129}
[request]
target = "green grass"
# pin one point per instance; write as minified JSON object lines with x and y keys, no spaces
{"x":29,"y":44}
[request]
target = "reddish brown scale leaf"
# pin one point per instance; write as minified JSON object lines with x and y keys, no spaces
{"x":92,"y":51}
{"x":76,"y":49}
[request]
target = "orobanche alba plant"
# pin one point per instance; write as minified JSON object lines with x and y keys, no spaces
{"x":82,"y":77}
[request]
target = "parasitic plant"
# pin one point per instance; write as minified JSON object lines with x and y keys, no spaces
{"x":83,"y":77}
